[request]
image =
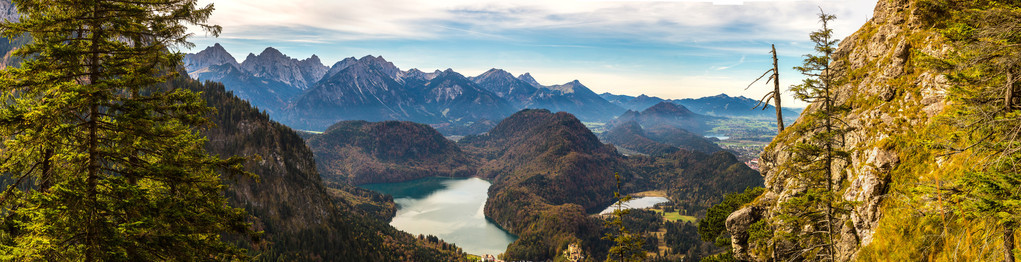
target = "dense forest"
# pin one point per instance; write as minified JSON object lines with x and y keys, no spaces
{"x":360,"y":152}
{"x":288,"y":201}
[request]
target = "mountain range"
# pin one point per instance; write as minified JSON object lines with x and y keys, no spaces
{"x":667,"y":114}
{"x":720,"y":105}
{"x":305,"y":94}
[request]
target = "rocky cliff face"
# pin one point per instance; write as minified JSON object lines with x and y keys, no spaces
{"x":890,"y":97}
{"x":274,"y":65}
{"x":199,"y":63}
{"x":8,"y":12}
{"x":505,"y":85}
{"x":575,"y":98}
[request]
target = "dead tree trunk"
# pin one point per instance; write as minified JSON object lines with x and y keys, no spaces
{"x":776,"y":91}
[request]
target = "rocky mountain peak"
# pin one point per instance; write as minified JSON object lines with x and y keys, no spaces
{"x":274,"y":65}
{"x":667,"y":108}
{"x":527,"y":78}
{"x":312,"y":59}
{"x":495,"y":74}
{"x":273,"y":53}
{"x":417,"y":74}
{"x":571,"y":87}
{"x":211,"y":56}
{"x":340,"y":65}
{"x":379,"y":63}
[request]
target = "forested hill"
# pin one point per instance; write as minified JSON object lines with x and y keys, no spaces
{"x":288,"y":200}
{"x":361,"y":152}
{"x":553,"y":152}
{"x":550,"y":172}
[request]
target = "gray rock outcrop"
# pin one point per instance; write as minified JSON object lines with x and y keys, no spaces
{"x":882,"y":89}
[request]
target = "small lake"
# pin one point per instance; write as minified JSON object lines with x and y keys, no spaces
{"x":637,"y":203}
{"x":720,"y":137}
{"x":449,"y":208}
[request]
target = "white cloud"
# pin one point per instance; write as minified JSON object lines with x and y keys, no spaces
{"x":670,"y":21}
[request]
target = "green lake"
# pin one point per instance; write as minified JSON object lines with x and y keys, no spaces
{"x":449,"y":208}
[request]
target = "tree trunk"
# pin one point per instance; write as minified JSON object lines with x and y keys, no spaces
{"x":46,"y":177}
{"x":776,"y":92}
{"x":828,"y":106}
{"x":91,"y":238}
{"x":1008,"y":244}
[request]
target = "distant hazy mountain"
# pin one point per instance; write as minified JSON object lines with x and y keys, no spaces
{"x":731,"y":106}
{"x":215,"y":55}
{"x":305,"y":94}
{"x":638,"y":103}
{"x":263,"y":93}
{"x":458,"y":99}
{"x":363,"y":90}
{"x":524,"y":92}
{"x":505,"y":85}
{"x":269,"y":80}
{"x":718,"y":105}
{"x":373,"y":89}
{"x":271,"y":64}
{"x":669,"y":114}
{"x":527,"y":77}
{"x":574,"y":98}
{"x":658,"y":140}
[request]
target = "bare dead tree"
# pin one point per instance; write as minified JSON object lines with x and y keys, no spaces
{"x":775,"y":94}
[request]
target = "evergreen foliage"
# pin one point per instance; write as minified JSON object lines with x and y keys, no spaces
{"x":628,"y":246}
{"x":810,"y":215}
{"x":303,"y":218}
{"x":102,"y":161}
{"x":712,"y":227}
{"x":985,"y":70}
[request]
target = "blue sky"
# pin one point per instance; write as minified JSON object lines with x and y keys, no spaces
{"x":670,"y":49}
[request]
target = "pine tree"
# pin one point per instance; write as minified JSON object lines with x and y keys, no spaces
{"x":817,"y":157}
{"x":628,"y":246}
{"x":101,"y":161}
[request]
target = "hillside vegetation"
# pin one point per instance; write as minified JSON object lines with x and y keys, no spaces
{"x":931,"y":169}
{"x":550,"y":173}
{"x":300,"y":219}
{"x":360,"y":152}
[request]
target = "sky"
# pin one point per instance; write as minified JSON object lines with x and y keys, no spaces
{"x":671,"y":49}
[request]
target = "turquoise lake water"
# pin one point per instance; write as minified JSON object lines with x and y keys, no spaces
{"x":449,"y":208}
